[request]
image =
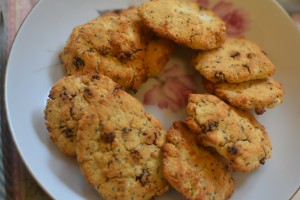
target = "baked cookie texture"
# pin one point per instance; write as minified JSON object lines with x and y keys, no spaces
{"x":233,"y":133}
{"x":238,"y":60}
{"x":119,"y":149}
{"x":116,"y":45}
{"x":184,"y":22}
{"x":194,"y":171}
{"x":157,"y":55}
{"x":256,"y":94}
{"x":67,"y":99}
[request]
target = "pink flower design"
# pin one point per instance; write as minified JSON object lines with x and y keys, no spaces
{"x":172,"y":89}
{"x":236,"y":19}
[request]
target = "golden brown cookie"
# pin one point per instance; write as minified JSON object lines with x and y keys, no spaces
{"x":192,"y":170}
{"x":116,"y":45}
{"x":257,"y":94}
{"x":157,"y":55}
{"x":233,"y":133}
{"x":67,"y":98}
{"x":184,"y":22}
{"x":238,"y":60}
{"x":119,"y":149}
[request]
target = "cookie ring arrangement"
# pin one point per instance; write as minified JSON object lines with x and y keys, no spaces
{"x":122,"y":150}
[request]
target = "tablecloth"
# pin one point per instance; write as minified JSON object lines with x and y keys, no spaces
{"x":16,"y":182}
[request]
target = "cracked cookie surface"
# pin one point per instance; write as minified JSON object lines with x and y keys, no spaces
{"x":119,"y":149}
{"x":117,"y":45}
{"x":233,"y":133}
{"x":256,"y":94}
{"x":192,"y":170}
{"x":184,"y":22}
{"x":238,"y":60}
{"x":67,"y":98}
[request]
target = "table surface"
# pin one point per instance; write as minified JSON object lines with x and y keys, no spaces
{"x":16,"y":182}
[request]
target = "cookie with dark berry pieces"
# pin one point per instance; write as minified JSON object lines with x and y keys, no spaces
{"x":67,"y":98}
{"x":119,"y":149}
{"x":184,"y":22}
{"x":194,"y":171}
{"x":233,"y":133}
{"x":257,"y":94}
{"x":238,"y":60}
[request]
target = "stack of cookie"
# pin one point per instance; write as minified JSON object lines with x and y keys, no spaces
{"x":117,"y":144}
{"x":117,"y":45}
{"x":240,"y":73}
{"x":122,"y":150}
{"x":90,"y":116}
{"x":233,"y":133}
{"x":235,"y":70}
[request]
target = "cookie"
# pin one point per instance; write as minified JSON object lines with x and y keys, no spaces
{"x":157,"y":49}
{"x":238,"y":60}
{"x":256,"y":94}
{"x":119,"y":149}
{"x":233,"y":133}
{"x":184,"y":22}
{"x":67,"y":98}
{"x":192,"y":170}
{"x":157,"y":54}
{"x":116,"y":45}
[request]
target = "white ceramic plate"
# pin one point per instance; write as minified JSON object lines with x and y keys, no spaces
{"x":33,"y":67}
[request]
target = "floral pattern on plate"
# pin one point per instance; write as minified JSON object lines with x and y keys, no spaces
{"x":172,"y":88}
{"x":237,"y":20}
